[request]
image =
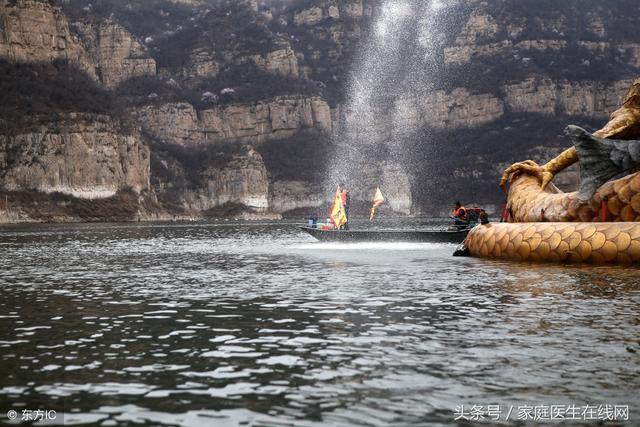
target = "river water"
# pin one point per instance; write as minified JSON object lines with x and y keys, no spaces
{"x":227,"y":324}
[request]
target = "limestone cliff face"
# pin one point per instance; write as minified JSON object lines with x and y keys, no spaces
{"x":586,"y":98}
{"x":117,"y":55}
{"x":500,"y":65}
{"x":82,"y":155}
{"x":242,"y":180}
{"x":282,"y":61}
{"x":266,"y":120}
{"x":64,"y":146}
{"x":439,"y":109}
{"x":461,"y":108}
{"x":330,"y":9}
{"x":201,"y":63}
{"x":34,"y":31}
{"x":467,"y":51}
{"x":495,"y":33}
{"x":485,"y":35}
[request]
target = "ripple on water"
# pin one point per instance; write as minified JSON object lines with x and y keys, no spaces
{"x":257,"y":324}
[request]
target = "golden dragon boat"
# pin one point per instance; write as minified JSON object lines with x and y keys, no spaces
{"x":599,"y":224}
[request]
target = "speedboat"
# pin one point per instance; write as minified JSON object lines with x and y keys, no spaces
{"x":449,"y":235}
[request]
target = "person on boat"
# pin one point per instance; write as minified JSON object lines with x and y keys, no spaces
{"x":346,"y":201}
{"x":459,"y":214}
{"x":473,"y":214}
{"x":484,"y":217}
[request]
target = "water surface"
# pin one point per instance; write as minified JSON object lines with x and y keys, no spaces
{"x":239,"y":324}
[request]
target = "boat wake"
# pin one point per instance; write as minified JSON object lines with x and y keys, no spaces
{"x":372,"y":246}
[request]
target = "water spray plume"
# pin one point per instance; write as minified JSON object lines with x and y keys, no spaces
{"x":373,"y":126}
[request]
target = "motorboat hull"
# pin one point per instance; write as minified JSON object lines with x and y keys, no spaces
{"x":431,"y":236}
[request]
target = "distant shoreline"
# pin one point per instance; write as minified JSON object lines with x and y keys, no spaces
{"x":13,"y":219}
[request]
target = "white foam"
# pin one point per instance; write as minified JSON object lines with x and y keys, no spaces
{"x":371,"y":246}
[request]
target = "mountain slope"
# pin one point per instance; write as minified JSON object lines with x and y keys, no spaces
{"x":216,"y":103}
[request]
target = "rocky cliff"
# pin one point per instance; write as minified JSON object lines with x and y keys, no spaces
{"x":320,"y":11}
{"x":196,"y":187}
{"x":489,"y":32}
{"x":34,"y":31}
{"x":262,"y":121}
{"x":81,"y":155}
{"x":462,"y":108}
{"x":244,"y":104}
{"x":60,"y":132}
{"x":116,"y":54}
{"x":522,"y":72}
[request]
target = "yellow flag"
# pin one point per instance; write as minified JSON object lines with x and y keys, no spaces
{"x":378,"y":199}
{"x":337,"y":214}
